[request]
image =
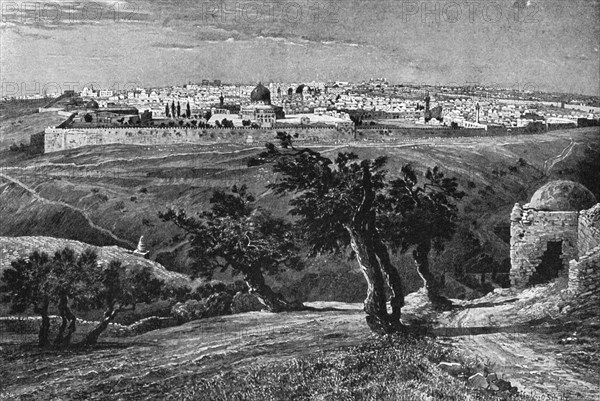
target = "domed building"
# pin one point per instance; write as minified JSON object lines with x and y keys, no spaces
{"x":562,"y":195}
{"x":260,"y":95}
{"x":552,"y":230}
{"x":260,"y":110}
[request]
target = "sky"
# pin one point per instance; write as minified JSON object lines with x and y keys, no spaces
{"x":549,"y":45}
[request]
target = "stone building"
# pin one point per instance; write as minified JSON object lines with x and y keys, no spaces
{"x":556,"y":234}
{"x":260,"y":109}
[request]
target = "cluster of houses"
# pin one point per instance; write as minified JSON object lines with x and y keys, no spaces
{"x":372,"y":101}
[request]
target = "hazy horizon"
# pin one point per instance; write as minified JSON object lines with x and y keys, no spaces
{"x":547,"y":45}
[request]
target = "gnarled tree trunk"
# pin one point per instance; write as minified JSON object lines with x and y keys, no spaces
{"x":421,"y":258}
{"x":373,"y":259}
{"x":393,"y":280}
{"x":273,"y":301}
{"x":63,"y":326}
{"x":92,"y":337}
{"x":375,"y":301}
{"x":44,"y":334}
{"x":68,"y":322}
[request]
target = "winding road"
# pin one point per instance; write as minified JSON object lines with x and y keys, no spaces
{"x":519,"y":351}
{"x":37,"y":196}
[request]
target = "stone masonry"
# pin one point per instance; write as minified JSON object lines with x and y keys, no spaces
{"x":531,"y":230}
{"x":566,"y":214}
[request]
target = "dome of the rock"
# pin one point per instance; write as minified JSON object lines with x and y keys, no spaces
{"x":562,"y":195}
{"x":260,"y":94}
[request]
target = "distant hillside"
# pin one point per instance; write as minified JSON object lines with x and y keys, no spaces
{"x":12,"y":248}
{"x":110,"y":195}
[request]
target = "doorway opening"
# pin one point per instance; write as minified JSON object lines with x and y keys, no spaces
{"x":550,"y":265}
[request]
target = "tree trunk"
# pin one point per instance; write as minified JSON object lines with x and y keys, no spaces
{"x":68,"y":322}
{"x":44,"y":334}
{"x":92,"y":337}
{"x":364,"y":240}
{"x":61,"y":331}
{"x":421,"y":257}
{"x":393,"y":280}
{"x":73,"y":320}
{"x":375,"y":301}
{"x":273,"y":301}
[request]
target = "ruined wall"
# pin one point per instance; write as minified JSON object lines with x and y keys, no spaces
{"x":589,"y":229}
{"x":584,"y":275}
{"x":531,"y":230}
{"x":60,"y":139}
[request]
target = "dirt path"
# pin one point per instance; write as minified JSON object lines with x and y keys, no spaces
{"x":521,"y":352}
{"x":205,"y":347}
{"x":37,"y":196}
{"x":548,"y":164}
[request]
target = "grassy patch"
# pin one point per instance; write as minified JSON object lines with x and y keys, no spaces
{"x":382,"y":369}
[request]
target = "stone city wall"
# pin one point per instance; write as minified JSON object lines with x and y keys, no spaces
{"x":589,"y":229}
{"x":531,"y":231}
{"x":57,"y":139}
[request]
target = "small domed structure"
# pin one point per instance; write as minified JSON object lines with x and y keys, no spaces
{"x":562,"y":196}
{"x":300,"y":89}
{"x":260,"y":94}
{"x":92,"y":104}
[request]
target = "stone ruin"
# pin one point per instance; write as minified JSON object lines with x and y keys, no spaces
{"x":557,"y":234}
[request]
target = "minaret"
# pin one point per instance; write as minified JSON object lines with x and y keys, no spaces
{"x":477,"y":114}
{"x":221,"y":100}
{"x":427,"y":100}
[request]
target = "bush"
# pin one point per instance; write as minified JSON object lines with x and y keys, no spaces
{"x":207,"y":289}
{"x":176,"y":293}
{"x":244,"y":302}
{"x":214,"y":305}
{"x":237,"y":286}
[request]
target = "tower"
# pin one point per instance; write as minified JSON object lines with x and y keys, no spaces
{"x":221,"y":100}
{"x":477,"y":113}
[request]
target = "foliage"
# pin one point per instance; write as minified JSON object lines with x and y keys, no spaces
{"x":411,"y":213}
{"x":69,"y":280}
{"x":237,"y":234}
{"x":348,"y":202}
{"x":39,"y":281}
{"x":21,"y":147}
{"x":535,"y":127}
{"x":27,"y":281}
{"x":227,"y":123}
{"x":116,"y":288}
